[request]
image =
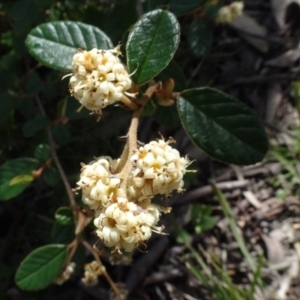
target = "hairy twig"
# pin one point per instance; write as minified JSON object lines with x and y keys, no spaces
{"x":97,"y":258}
{"x":58,"y":164}
{"x":132,"y":145}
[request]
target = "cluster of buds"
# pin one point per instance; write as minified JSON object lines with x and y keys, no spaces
{"x":228,"y":13}
{"x":65,"y":274}
{"x":91,"y":273}
{"x":124,"y":215}
{"x":98,"y":79}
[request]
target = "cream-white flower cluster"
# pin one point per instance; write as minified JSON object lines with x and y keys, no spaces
{"x":125,"y":217}
{"x":158,"y":169}
{"x":228,"y":13}
{"x":99,"y":185}
{"x":99,"y":78}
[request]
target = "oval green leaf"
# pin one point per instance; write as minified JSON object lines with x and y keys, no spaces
{"x":54,"y":43}
{"x":200,"y":37}
{"x":15,"y":176}
{"x":223,"y":127}
{"x":63,"y":234}
{"x":51,"y":176}
{"x":41,"y":267}
{"x":33,"y":126}
{"x":151,"y":44}
{"x":64,"y":216}
{"x":42,"y":152}
{"x":179,"y":7}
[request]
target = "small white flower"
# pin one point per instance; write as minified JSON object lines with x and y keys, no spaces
{"x":99,"y":78}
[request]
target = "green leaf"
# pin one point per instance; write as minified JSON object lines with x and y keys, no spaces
{"x":31,"y":127}
{"x":64,"y":216}
{"x":51,"y":176}
{"x":42,"y":152}
{"x":41,"y":267}
{"x":223,"y":127}
{"x":200,"y":37}
{"x":55,"y":43}
{"x":15,"y":176}
{"x":202,"y":218}
{"x":182,"y":236}
{"x":63,"y":234}
{"x":151,"y":44}
{"x":61,"y":134}
{"x":179,"y":7}
{"x":149,"y":109}
{"x":21,"y":179}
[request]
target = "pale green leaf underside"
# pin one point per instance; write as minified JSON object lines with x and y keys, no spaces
{"x":12,"y":180}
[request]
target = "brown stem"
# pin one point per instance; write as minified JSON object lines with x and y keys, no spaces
{"x":97,"y":258}
{"x":123,"y":158}
{"x":58,"y":164}
{"x":149,"y":93}
{"x":132,"y":145}
{"x":73,"y":246}
{"x":129,"y":103}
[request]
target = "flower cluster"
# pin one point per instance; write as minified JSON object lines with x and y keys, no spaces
{"x":99,"y":78}
{"x":228,"y":13}
{"x":91,"y":273}
{"x":65,"y":274}
{"x":99,"y":186}
{"x":158,"y":169}
{"x":125,"y":216}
